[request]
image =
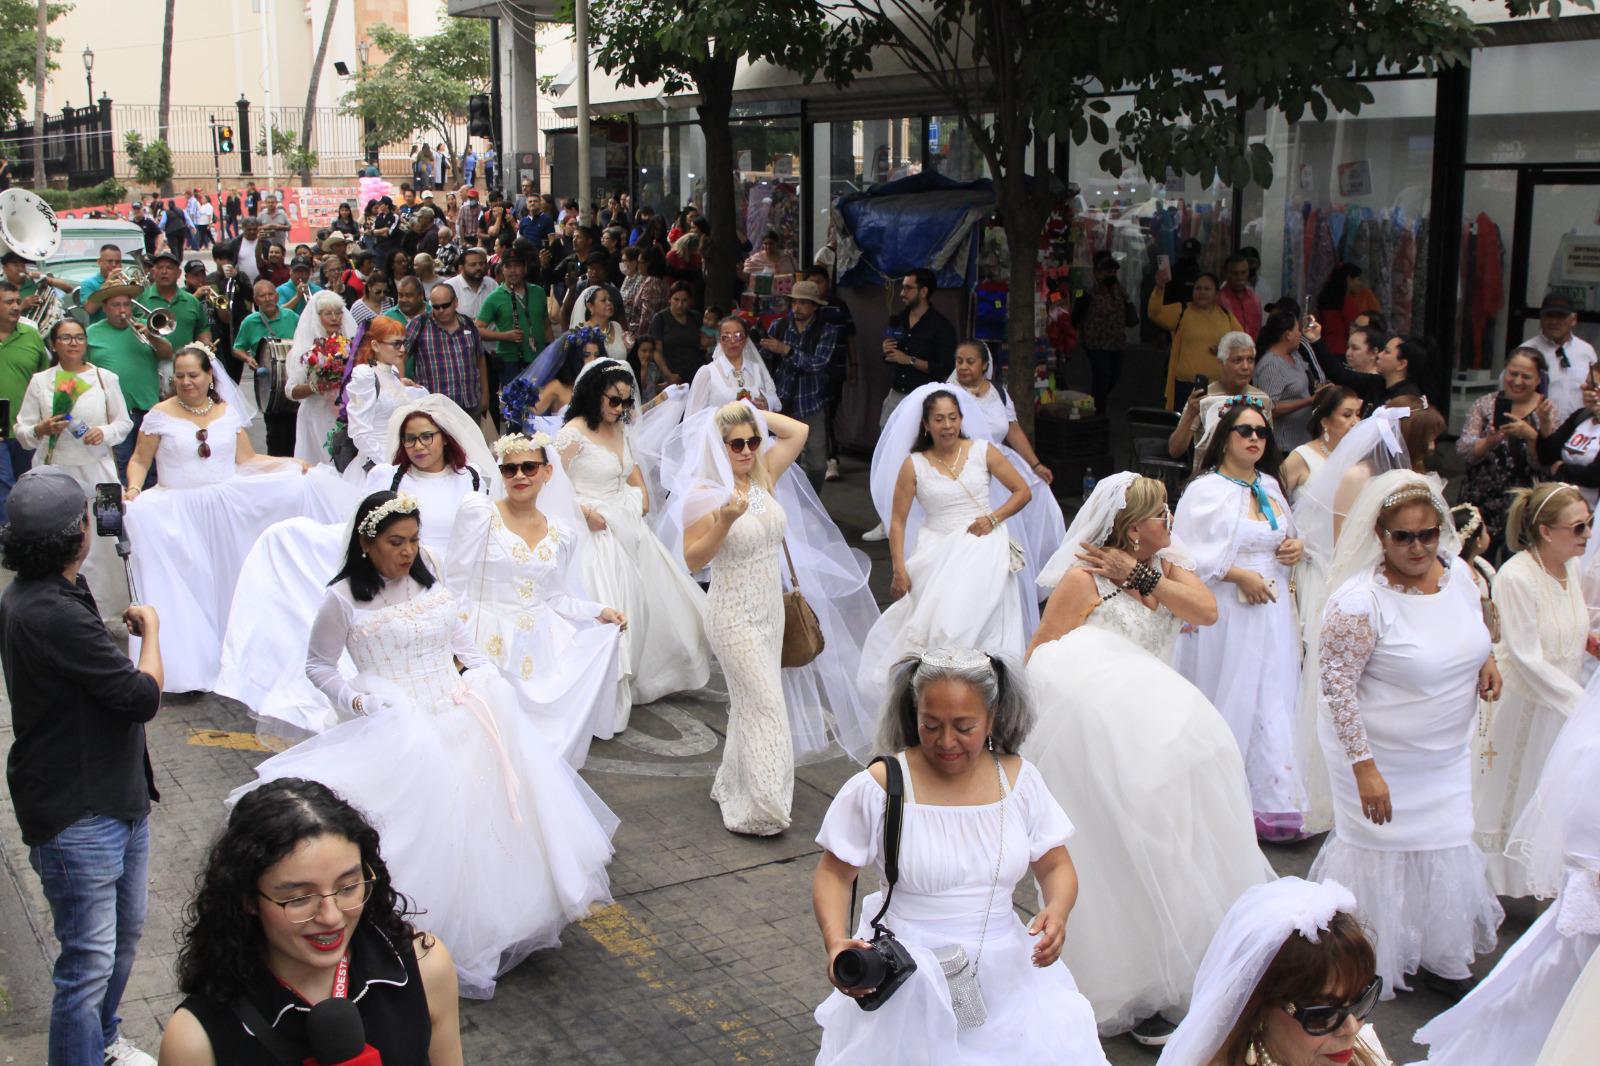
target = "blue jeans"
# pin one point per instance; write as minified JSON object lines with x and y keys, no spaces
{"x":95,"y":875}
{"x":15,"y":460}
{"x":123,"y":451}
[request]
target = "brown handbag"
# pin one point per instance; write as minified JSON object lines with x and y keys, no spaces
{"x":802,"y":633}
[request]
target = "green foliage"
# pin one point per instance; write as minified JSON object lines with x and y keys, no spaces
{"x":420,"y":90}
{"x":18,"y":38}
{"x":110,"y":191}
{"x":152,"y":163}
{"x":286,"y":146}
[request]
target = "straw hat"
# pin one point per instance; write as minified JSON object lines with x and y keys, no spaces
{"x":120,"y":283}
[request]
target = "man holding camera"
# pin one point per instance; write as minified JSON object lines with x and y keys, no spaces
{"x":79,"y":772}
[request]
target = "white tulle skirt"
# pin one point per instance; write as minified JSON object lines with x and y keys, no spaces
{"x":1038,"y":528}
{"x":1149,"y":773}
{"x":1036,"y":1016}
{"x":485,"y":829}
{"x":1523,"y":732}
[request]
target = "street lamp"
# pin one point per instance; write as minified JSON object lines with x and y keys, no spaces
{"x":88,"y":71}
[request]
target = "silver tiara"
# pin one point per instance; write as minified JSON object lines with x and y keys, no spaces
{"x":401,"y":504}
{"x":520,"y":442}
{"x":956,"y":659}
{"x":1410,"y":492}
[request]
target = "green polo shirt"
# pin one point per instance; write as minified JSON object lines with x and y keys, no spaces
{"x":286,"y":293}
{"x":398,"y":315}
{"x":498,"y":315}
{"x":186,"y":308}
{"x":254,"y":329}
{"x":125,"y":355}
{"x":22,"y":355}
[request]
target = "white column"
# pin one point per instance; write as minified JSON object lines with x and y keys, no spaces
{"x":581,"y":25}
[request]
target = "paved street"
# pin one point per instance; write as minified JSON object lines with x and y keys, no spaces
{"x":708,"y":955}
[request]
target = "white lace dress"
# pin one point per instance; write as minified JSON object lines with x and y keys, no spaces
{"x":1400,"y":680}
{"x":664,"y":649}
{"x":192,"y":531}
{"x":958,"y":867}
{"x":485,"y":828}
{"x":525,"y":609}
{"x":744,"y":619}
{"x":1544,"y":626}
{"x":963,"y":594}
{"x":1153,"y":780}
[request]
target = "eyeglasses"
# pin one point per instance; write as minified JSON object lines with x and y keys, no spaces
{"x":71,"y":338}
{"x":444,"y":306}
{"x":734,"y":336}
{"x":617,"y":401}
{"x":302,"y":909}
{"x":738,"y":444}
{"x":1323,"y":1019}
{"x":1403,"y":537}
{"x":1260,"y":432}
{"x":527,"y":468}
{"x":425,"y":438}
{"x":205,"y":449}
{"x":1579,"y":528}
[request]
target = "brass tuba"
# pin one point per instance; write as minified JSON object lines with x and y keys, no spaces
{"x":28,"y":227}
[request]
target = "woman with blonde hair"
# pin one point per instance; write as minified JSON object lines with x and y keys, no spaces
{"x":1544,"y":627}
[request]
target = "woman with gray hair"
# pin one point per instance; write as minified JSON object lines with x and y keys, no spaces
{"x":950,"y":974}
{"x":1203,"y":409}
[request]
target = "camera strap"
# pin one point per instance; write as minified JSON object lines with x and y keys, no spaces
{"x":895,"y":786}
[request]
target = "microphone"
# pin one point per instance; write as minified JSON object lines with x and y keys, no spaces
{"x":338,"y":1037}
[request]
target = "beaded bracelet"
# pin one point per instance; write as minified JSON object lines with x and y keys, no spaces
{"x":1143,"y":579}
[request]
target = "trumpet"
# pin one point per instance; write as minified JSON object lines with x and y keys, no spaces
{"x":211,"y":296}
{"x":161,"y":322}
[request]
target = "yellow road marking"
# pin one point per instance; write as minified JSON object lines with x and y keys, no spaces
{"x":218,"y":738}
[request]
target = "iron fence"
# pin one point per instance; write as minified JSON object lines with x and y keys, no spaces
{"x":78,"y":146}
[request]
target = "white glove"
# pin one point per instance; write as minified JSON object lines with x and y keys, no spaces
{"x":374,"y":703}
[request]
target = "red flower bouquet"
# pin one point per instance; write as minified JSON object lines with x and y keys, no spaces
{"x":326,"y":361}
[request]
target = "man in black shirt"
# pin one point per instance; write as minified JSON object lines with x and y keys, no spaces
{"x":79,"y":774}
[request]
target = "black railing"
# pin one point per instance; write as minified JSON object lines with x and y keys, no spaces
{"x":79,"y":146}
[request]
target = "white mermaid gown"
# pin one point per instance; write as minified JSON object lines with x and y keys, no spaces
{"x":627,"y":567}
{"x":948,"y":858}
{"x":1154,"y":781}
{"x":484,"y":826}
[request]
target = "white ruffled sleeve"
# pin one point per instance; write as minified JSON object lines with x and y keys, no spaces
{"x":329,"y":634}
{"x":1047,"y":824}
{"x":852,"y":830}
{"x":465,"y":553}
{"x":1521,"y":653}
{"x":700,"y":389}
{"x":1207,"y":521}
{"x":1349,"y":637}
{"x":366,"y":423}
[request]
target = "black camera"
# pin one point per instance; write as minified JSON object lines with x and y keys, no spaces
{"x":883,"y":968}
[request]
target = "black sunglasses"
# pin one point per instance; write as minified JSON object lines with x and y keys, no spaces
{"x":739,"y":444}
{"x":444,"y":306}
{"x":1426,"y":537}
{"x":618,"y":401}
{"x":1579,"y":528}
{"x":1252,"y":431}
{"x":527,"y":468}
{"x":1322,"y":1020}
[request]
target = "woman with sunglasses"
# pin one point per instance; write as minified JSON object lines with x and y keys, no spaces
{"x":1125,"y":735}
{"x":1239,"y":529}
{"x":212,"y":489}
{"x":435,"y":453}
{"x":1404,"y":658}
{"x":296,"y":906}
{"x":514,"y":560}
{"x":374,"y":387}
{"x":1288,"y":980}
{"x":1544,"y":631}
{"x":626,"y":565}
{"x":736,"y":372}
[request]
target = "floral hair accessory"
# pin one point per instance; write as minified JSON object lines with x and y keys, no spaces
{"x":1249,"y":401}
{"x":520,"y":442}
{"x":401,"y":504}
{"x":577,"y":338}
{"x":1470,"y":521}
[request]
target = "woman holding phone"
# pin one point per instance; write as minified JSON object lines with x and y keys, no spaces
{"x":1499,"y":442}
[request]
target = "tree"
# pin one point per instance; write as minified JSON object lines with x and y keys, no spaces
{"x":19,"y":54}
{"x":164,"y":111}
{"x":295,"y":156}
{"x":41,"y":75}
{"x":698,"y":44}
{"x":423,"y":84}
{"x":152,"y":163}
{"x":1018,"y":71}
{"x":309,"y":121}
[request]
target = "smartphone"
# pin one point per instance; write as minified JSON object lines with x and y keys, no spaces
{"x":1201,"y":383}
{"x":1163,"y":264}
{"x":108,"y":509}
{"x":1272,"y":590}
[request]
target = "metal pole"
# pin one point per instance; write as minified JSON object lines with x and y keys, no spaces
{"x":267,"y":60}
{"x":581,"y":25}
{"x":216,"y":162}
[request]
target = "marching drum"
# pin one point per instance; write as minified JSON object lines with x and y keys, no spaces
{"x":272,"y":356}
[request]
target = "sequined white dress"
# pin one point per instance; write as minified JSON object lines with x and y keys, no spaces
{"x":484,"y":826}
{"x":1152,"y":778}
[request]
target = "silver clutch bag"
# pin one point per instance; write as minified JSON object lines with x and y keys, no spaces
{"x":966,"y":998}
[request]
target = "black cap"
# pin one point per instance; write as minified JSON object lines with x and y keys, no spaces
{"x":1191,"y":248}
{"x":300,"y":262}
{"x":598,"y":257}
{"x":169,"y":255}
{"x":1556,"y":305}
{"x":193,"y":266}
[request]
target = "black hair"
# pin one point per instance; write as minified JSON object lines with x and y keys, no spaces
{"x":1327,"y":403}
{"x":42,"y":556}
{"x":1274,"y":328}
{"x":925,"y":278}
{"x":1418,"y":353}
{"x":814,"y":271}
{"x":365,"y":581}
{"x":988,"y":361}
{"x":104,"y":248}
{"x":1216,"y":282}
{"x":1271,"y":455}
{"x":378,"y":276}
{"x":1375,"y":321}
{"x":65,"y":320}
{"x":587,"y":394}
{"x":1286,"y":303}
{"x":924,"y":439}
{"x":1375,"y":338}
{"x":207,"y":363}
{"x":681,"y":286}
{"x":1337,"y":287}
{"x":222,"y":949}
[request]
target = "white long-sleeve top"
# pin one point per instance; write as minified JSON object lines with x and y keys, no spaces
{"x":102,"y":406}
{"x":371,"y":396}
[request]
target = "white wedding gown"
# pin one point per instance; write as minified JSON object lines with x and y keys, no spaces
{"x":1153,"y":779}
{"x":627,"y":567}
{"x":525,"y":608}
{"x":484,"y":826}
{"x":371,"y":396}
{"x":438,"y":495}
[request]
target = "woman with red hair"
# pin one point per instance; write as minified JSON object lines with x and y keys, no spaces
{"x":436,"y":454}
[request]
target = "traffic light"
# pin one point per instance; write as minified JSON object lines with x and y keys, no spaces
{"x":479,"y":124}
{"x":224,"y":139}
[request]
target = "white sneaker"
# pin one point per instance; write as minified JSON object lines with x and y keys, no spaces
{"x":876,"y":533}
{"x":832,"y":473}
{"x":122,"y":1053}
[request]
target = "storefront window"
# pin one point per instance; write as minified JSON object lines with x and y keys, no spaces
{"x":1529,"y":105}
{"x":766,"y":160}
{"x":951,"y":150}
{"x":849,"y":157}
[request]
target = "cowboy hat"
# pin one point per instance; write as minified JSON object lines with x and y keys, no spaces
{"x":120,"y":283}
{"x":807,"y":291}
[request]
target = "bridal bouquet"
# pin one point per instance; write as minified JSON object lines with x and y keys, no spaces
{"x":326,"y":361}
{"x":68,"y":387}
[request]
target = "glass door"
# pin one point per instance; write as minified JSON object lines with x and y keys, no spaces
{"x":1556,"y":249}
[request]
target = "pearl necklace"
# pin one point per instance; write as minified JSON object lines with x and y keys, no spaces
{"x":210,"y":403}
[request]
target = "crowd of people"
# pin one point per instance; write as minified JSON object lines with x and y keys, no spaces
{"x":520,"y":481}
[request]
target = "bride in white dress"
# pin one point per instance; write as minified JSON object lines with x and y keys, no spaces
{"x":213,"y":497}
{"x":326,"y":316}
{"x":953,"y":574}
{"x":513,"y":562}
{"x":491,"y":832}
{"x":443,"y":459}
{"x":1147,"y":767}
{"x":376,"y":385}
{"x":627,"y":566}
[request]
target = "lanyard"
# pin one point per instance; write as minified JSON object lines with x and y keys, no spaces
{"x":1260,"y":493}
{"x":341,"y":982}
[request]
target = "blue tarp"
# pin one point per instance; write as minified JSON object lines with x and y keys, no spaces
{"x":925,"y":220}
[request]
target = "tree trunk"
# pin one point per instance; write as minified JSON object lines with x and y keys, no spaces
{"x":309,"y":122}
{"x":41,"y":72}
{"x":164,"y":118}
{"x":715,"y":82}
